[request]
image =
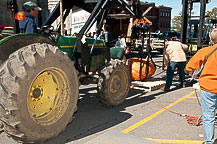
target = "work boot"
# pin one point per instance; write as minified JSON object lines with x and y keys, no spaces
{"x":165,"y":89}
{"x":183,"y":85}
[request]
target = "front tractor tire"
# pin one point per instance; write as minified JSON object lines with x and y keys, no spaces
{"x":38,"y":93}
{"x":114,"y":83}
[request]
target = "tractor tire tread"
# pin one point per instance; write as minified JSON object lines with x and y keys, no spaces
{"x":12,"y":71}
{"x":103,"y":84}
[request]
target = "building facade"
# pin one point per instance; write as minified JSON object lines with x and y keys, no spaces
{"x":160,"y":17}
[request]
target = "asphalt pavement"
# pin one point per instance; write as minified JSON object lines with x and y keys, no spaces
{"x":140,"y":116}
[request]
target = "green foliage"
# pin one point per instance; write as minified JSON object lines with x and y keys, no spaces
{"x":177,"y":21}
{"x":211,"y":15}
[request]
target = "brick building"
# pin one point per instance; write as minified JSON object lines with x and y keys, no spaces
{"x":160,"y":17}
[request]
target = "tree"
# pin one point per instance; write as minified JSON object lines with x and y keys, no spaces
{"x":177,"y":21}
{"x":211,"y":15}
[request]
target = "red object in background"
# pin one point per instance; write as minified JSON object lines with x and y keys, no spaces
{"x":15,"y":16}
{"x":20,"y":16}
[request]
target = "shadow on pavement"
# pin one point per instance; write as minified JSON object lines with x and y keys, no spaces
{"x":93,"y":117}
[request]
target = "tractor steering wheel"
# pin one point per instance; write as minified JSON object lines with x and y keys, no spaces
{"x":52,"y":34}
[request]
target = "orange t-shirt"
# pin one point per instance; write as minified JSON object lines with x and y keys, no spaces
{"x":208,"y":77}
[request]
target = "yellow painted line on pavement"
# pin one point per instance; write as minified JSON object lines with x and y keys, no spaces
{"x":174,"y":141}
{"x":194,"y":97}
{"x":155,"y":114}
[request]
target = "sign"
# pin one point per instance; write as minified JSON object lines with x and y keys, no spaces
{"x":78,"y":20}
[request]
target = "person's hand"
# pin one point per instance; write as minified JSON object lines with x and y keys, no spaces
{"x":190,"y":73}
{"x":165,"y":68}
{"x":194,"y":76}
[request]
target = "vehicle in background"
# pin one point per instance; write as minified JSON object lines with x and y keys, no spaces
{"x":173,"y":35}
{"x":153,"y":36}
{"x":158,"y":44}
{"x":194,"y":28}
{"x":156,"y":40}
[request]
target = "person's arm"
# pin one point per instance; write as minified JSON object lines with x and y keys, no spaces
{"x":125,"y":45}
{"x":166,"y":61}
{"x":168,"y":50}
{"x":185,"y":47}
{"x":117,"y":44}
{"x":195,"y":62}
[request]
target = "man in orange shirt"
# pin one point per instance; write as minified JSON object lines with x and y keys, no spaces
{"x":208,"y":84}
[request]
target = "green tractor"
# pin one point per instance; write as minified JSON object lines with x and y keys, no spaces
{"x":40,"y":74}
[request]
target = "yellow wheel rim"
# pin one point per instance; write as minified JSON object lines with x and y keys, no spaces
{"x":124,"y":58}
{"x":115,"y":84}
{"x":48,"y":96}
{"x":118,"y":85}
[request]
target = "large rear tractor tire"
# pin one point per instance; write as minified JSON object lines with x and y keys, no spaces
{"x":38,"y":93}
{"x":114,"y":83}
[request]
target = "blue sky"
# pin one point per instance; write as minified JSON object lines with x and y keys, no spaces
{"x":177,"y":5}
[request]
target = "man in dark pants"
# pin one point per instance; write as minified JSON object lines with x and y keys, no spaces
{"x":28,"y":25}
{"x":177,"y":59}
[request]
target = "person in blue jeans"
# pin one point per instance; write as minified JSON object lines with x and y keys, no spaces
{"x":208,"y":106}
{"x":176,"y":57}
{"x":29,"y":25}
{"x":170,"y":73}
{"x":208,"y":84}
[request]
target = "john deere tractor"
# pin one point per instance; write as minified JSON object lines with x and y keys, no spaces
{"x":40,"y":74}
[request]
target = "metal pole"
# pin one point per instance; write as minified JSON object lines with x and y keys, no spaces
{"x":39,"y":14}
{"x":201,"y":24}
{"x":184,"y":21}
{"x":61,"y":17}
{"x":15,"y":22}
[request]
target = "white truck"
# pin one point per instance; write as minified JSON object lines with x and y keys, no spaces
{"x":156,"y":42}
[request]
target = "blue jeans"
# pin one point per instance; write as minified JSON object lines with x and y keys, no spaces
{"x":208,"y":106}
{"x":106,"y":36}
{"x":170,"y":72}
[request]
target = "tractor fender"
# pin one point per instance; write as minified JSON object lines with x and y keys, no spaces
{"x":12,"y":43}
